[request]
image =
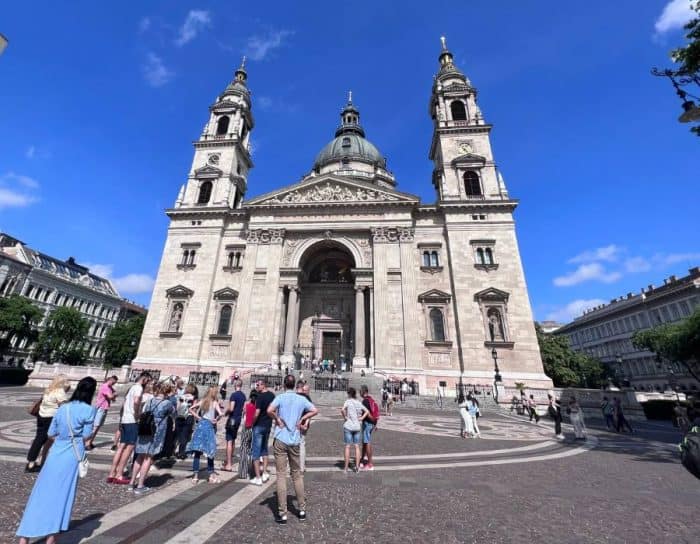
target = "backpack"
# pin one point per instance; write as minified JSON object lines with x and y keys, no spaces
{"x":385,"y":396}
{"x":147,"y":422}
{"x":373,"y":409}
{"x":690,"y":451}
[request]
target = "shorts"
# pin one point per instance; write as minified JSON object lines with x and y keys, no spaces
{"x":261,"y":436}
{"x":100,"y":417}
{"x":129,"y":433}
{"x":367,"y":429}
{"x":232,"y":430}
{"x":351,"y":437}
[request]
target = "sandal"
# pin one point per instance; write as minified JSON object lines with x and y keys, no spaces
{"x":195,"y":479}
{"x":214,"y":479}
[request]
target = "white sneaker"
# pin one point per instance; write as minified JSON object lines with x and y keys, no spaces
{"x":265,"y":477}
{"x":256,"y":481}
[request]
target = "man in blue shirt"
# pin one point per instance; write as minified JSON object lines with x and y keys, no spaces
{"x":290,"y":412}
{"x":235,"y":411}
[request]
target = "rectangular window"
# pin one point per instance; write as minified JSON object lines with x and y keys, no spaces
{"x":674,"y":312}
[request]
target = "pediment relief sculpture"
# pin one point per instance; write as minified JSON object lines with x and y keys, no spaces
{"x":330,"y":192}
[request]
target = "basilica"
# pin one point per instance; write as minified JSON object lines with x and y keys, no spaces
{"x":343,"y":265}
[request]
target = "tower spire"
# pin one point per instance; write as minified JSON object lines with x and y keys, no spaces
{"x":241,"y":75}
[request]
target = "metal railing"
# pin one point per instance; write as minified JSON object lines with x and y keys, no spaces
{"x":204,"y":378}
{"x":323,"y":383}
{"x":135,"y":374}
{"x":272,"y":380}
{"x":476,"y":389}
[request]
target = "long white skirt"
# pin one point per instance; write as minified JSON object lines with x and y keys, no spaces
{"x":467,"y":421}
{"x":579,"y":425}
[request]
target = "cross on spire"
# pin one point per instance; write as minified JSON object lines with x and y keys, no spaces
{"x":349,"y":97}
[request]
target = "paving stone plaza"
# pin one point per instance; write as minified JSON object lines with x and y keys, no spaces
{"x":515,"y":484}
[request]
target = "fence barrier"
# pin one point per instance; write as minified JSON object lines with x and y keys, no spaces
{"x":204,"y":378}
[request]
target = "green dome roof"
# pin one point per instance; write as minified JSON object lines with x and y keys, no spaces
{"x":352,"y":146}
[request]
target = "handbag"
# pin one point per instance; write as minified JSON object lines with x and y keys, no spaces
{"x":34,"y":410}
{"x":83,"y":464}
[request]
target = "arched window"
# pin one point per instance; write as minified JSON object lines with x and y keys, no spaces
{"x":426,"y":258}
{"x":176,"y":317}
{"x":239,"y":259}
{"x":204,"y":192}
{"x":224,"y":320}
{"x":472,"y":186}
{"x":191,"y":258}
{"x":185,"y":259}
{"x":459,"y":113}
{"x":231,"y":256}
{"x":222,"y":125}
{"x":488,"y":253}
{"x":480,"y":256}
{"x":437,"y":325}
{"x":434,"y":258}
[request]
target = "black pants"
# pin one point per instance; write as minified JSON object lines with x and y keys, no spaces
{"x":183,"y":432}
{"x":42,"y":435}
{"x":557,"y":425}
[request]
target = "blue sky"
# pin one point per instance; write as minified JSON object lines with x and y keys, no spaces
{"x":99,"y":103}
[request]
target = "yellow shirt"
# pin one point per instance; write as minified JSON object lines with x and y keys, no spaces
{"x":51,"y":401}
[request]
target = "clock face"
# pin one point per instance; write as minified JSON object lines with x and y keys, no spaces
{"x":465,"y":147}
{"x":213,"y":159}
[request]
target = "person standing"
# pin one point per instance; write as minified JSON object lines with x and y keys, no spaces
{"x":473,"y":409}
{"x":48,"y":510}
{"x":233,"y":422}
{"x":184,"y":422}
{"x":576,"y":415}
{"x":353,"y":413}
{"x":608,"y":410}
{"x":261,"y":432}
{"x":369,"y":425}
{"x":532,"y":409}
{"x":466,"y":427}
{"x":53,"y":397}
{"x":303,"y":390}
{"x":150,"y":445}
{"x":128,"y":430}
{"x":554,"y":411}
{"x":244,"y":464}
{"x":207,"y":412}
{"x":620,"y":419}
{"x":105,"y":396}
{"x":290,"y":412}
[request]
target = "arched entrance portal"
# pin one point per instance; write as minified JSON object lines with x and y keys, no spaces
{"x":327,"y":304}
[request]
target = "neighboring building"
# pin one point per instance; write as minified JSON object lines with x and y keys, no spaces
{"x":605,"y":332}
{"x":548,"y":327}
{"x":50,"y":283}
{"x":341,"y":265}
{"x":130,"y":310}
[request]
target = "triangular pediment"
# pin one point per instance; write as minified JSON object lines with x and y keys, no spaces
{"x":179,"y":291}
{"x":208,"y":172}
{"x":226,"y":294}
{"x":470,"y":158}
{"x":331,"y":189}
{"x":434,"y":295}
{"x":492,"y":294}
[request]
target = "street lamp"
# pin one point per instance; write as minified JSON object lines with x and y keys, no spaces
{"x":497,"y":375}
{"x":691,"y":112}
{"x":618,"y":370}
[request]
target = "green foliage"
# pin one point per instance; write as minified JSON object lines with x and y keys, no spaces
{"x":566,"y":367}
{"x":688,"y":56}
{"x":679,"y":342}
{"x":64,"y":337}
{"x":19,"y":319}
{"x":122,"y":341}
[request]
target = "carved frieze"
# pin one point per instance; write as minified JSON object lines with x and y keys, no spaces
{"x":392,"y":234}
{"x":265,"y":236}
{"x":330,"y":192}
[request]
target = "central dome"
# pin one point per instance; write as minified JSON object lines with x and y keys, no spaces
{"x":351,"y":146}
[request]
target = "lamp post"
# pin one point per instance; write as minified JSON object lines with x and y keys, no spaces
{"x":497,"y":374}
{"x":618,"y":370}
{"x":691,"y":112}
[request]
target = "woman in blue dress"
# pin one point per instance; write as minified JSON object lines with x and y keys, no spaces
{"x":147,"y":447}
{"x":207,"y":412}
{"x":49,"y":507}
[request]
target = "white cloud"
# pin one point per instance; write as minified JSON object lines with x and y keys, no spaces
{"x":155,"y":72}
{"x":634,"y":265}
{"x":17,"y":191}
{"x":573,"y":309}
{"x":132,"y":284}
{"x":31,"y":151}
{"x":258,"y":47}
{"x":196,"y":21}
{"x":674,"y":16}
{"x":144,"y":24}
{"x":587,"y":272}
{"x":670,"y":259}
{"x":607,"y":253}
{"x":264,"y":102}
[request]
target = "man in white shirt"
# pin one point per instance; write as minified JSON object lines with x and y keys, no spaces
{"x":129,"y":430}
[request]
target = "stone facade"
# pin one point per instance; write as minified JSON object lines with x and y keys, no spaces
{"x":342,"y":265}
{"x":605,"y":332}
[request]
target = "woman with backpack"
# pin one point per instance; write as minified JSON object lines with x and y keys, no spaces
{"x":245,"y":462}
{"x":207,"y":412}
{"x":184,"y":422}
{"x":353,"y":412}
{"x":49,"y":507}
{"x":152,"y":429}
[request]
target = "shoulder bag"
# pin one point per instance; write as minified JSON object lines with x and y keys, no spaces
{"x":34,"y":410}
{"x":83,"y":463}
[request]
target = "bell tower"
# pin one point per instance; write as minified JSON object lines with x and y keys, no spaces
{"x":219,"y":173}
{"x":460,"y":148}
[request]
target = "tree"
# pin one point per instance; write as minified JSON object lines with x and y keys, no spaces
{"x":687,"y":58}
{"x":122,"y":341}
{"x":566,"y":367}
{"x":19,"y":319}
{"x":64,"y":337}
{"x":679,"y":342}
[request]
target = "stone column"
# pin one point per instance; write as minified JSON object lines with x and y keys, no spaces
{"x":359,"y":360}
{"x":370,"y":362}
{"x":277,"y":324}
{"x":290,"y":335}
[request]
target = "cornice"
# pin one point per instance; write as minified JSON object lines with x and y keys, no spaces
{"x":482,"y":205}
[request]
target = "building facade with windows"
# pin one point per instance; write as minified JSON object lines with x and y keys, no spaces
{"x":605,"y":332}
{"x":342,"y":265}
{"x":51,"y":283}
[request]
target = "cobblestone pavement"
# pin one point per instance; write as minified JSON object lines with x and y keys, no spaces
{"x":517,"y":484}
